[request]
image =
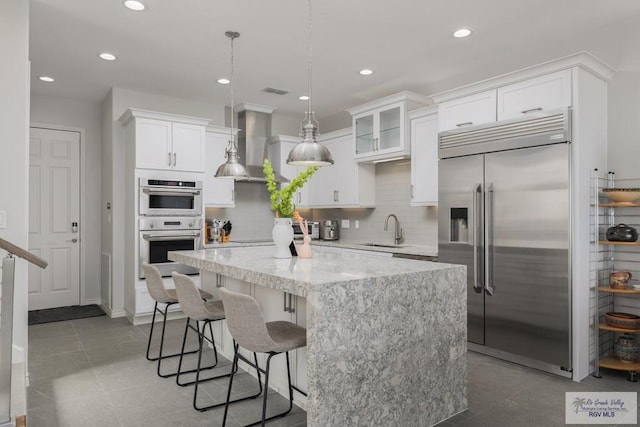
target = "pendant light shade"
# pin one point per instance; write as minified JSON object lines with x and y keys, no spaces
{"x":310,"y":152}
{"x":232,"y":168}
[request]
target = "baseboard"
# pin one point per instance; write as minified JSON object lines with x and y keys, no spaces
{"x":112,"y":313}
{"x":144,"y":318}
{"x":94,"y":301}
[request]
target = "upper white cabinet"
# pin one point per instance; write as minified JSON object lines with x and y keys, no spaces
{"x":217,"y":191}
{"x":166,"y":141}
{"x":467,"y":111}
{"x":424,"y":156}
{"x":277,"y":152}
{"x":380,"y":128}
{"x":346,"y":183}
{"x":548,"y":92}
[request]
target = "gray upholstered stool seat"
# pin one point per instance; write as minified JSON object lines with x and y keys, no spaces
{"x":202,"y":314}
{"x":168,"y":297}
{"x":249,"y":330}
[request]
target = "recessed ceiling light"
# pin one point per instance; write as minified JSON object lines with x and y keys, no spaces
{"x":462,"y":32}
{"x":366,"y":72}
{"x":107,"y":56}
{"x":47,"y":79}
{"x":134,"y":5}
{"x":224,"y":81}
{"x":303,"y":98}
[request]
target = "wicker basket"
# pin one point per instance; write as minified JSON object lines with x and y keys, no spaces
{"x":622,"y":320}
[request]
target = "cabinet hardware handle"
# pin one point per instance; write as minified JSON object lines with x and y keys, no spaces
{"x":464,"y":124}
{"x":233,"y":195}
{"x":412,"y":191}
{"x":175,"y":158}
{"x":299,"y":197}
{"x":530,"y":110}
{"x":169,"y":158}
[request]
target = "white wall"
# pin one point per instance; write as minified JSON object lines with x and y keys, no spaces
{"x":393,"y":187}
{"x":14,"y":146}
{"x":624,"y":123}
{"x":86,"y":116}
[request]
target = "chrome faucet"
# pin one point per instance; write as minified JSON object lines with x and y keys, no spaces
{"x":397,"y":238}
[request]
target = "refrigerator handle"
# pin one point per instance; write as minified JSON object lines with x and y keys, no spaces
{"x":488,"y":267}
{"x":476,"y":211}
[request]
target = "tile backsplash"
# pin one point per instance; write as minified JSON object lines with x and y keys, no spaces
{"x":252,"y":218}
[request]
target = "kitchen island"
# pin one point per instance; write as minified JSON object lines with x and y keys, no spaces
{"x":386,"y":337}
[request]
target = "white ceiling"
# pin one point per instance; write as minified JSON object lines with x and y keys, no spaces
{"x":178,"y":47}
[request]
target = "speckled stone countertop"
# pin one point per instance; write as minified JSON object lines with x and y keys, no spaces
{"x":377,"y":246}
{"x":386,"y":337}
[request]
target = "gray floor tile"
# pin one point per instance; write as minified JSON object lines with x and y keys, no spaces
{"x":51,"y":330}
{"x":90,"y":410}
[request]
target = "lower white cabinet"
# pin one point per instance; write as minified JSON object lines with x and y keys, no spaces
{"x":217,"y":191}
{"x":424,"y":157}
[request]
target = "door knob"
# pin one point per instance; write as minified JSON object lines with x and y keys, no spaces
{"x":73,"y":241}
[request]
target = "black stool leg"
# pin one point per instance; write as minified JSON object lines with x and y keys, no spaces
{"x":199,"y":368}
{"x":234,"y":370}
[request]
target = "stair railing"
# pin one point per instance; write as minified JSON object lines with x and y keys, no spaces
{"x":6,"y":322}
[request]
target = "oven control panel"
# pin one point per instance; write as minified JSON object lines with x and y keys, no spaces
{"x":171,"y":223}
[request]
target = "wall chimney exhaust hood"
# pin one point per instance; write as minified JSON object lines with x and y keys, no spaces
{"x":254,"y":122}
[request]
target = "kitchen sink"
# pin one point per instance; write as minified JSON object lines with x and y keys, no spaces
{"x":382,"y":245}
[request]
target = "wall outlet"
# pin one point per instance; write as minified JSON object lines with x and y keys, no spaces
{"x":3,"y":219}
{"x":356,"y":224}
{"x":345,"y":223}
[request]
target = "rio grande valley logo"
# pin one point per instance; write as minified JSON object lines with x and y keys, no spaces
{"x":601,"y":408}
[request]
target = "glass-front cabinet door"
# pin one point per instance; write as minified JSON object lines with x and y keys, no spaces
{"x":390,"y":131}
{"x":365,"y":138}
{"x":380,"y":133}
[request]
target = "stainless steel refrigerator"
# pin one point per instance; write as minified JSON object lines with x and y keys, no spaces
{"x":504,"y":212}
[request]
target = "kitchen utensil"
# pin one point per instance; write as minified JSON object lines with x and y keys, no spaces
{"x":620,"y":279}
{"x":622,"y":320}
{"x":622,"y":233}
{"x":622,"y":195}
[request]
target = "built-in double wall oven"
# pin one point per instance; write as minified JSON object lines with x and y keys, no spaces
{"x":170,"y":220}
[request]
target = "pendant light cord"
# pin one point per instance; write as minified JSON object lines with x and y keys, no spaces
{"x":309,"y":71}
{"x":232,"y":37}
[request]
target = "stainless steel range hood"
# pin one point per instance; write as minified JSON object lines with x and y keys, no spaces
{"x":254,"y":122}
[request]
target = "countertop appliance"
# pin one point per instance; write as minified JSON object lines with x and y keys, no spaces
{"x":329,"y":229}
{"x":164,"y":197}
{"x":313,"y":230}
{"x":504,"y":205}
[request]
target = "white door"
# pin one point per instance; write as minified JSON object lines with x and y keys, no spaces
{"x":54,"y":215}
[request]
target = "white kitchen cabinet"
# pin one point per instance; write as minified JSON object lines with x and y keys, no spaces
{"x":380,"y":128}
{"x":167,"y":141}
{"x":217,"y":192}
{"x":469,"y":110}
{"x":549,"y":92}
{"x":346,"y":183}
{"x":278,"y":151}
{"x":424,"y":156}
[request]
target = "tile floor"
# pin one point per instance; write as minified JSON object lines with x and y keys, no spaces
{"x":92,"y":372}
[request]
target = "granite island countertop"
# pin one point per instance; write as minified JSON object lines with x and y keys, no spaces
{"x":425,"y":252}
{"x":386,"y":337}
{"x":298,"y":276}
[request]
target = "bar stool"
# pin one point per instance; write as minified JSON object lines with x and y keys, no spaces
{"x":206,"y":312}
{"x":168,"y":297}
{"x":249,"y":330}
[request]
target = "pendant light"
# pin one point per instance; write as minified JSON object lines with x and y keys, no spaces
{"x":309,"y":152}
{"x":232,"y":168}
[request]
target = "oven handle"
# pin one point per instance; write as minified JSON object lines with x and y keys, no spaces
{"x":180,"y":192}
{"x":161,"y":237}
